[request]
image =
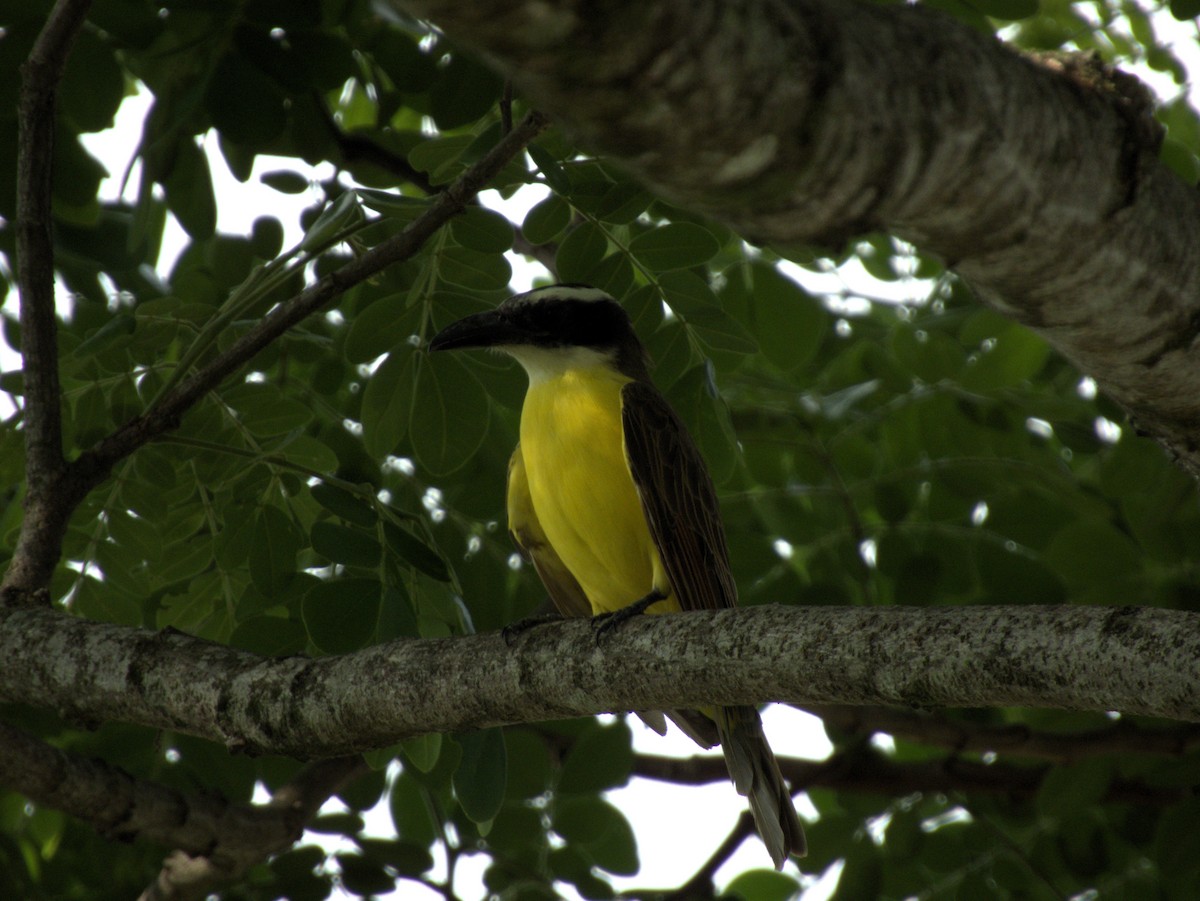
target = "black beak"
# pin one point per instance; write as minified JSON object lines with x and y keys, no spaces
{"x":488,"y":329}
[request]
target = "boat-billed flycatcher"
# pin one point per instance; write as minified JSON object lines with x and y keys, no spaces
{"x":610,"y":499}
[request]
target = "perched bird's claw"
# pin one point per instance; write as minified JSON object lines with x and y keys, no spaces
{"x":513,"y":631}
{"x":604,"y":623}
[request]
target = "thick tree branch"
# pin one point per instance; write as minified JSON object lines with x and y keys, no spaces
{"x":1136,"y":660}
{"x":813,"y":121}
{"x":217,"y":840}
{"x":45,"y":520}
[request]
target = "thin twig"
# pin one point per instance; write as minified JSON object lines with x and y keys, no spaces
{"x":506,"y":102}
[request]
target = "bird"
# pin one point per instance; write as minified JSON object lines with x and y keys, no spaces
{"x":609,"y":498}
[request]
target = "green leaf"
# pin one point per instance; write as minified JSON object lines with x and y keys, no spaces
{"x":139,"y":535}
{"x":1185,"y":9}
{"x":103,"y":602}
{"x":546,"y":220}
{"x":1070,"y":788}
{"x":345,"y":545}
{"x":334,"y":219}
{"x":423,"y":751}
{"x":392,"y":205}
{"x":623,"y":203}
{"x":482,"y":771}
{"x":265,"y":409}
{"x":304,"y":450}
{"x":677,"y":245}
{"x":474,"y":270}
{"x":483,"y":230}
{"x":384,"y":324}
{"x":931,"y":356}
{"x":343,"y":504}
{"x":415,"y":551}
{"x":193,"y":612}
{"x":406,"y":858}
{"x":363,"y":877}
{"x":440,"y":156}
{"x":529,"y":766}
{"x":189,"y":192}
{"x":600,"y":831}
{"x":266,"y":237}
{"x":449,"y":416}
{"x":246,"y":105}
{"x":580,"y":252}
{"x":285,"y":181}
{"x":410,"y":811}
{"x":613,"y":275}
{"x":340,"y":615}
{"x":1177,"y":843}
{"x":1093,"y":553}
{"x":862,"y":876}
{"x":687,"y":293}
{"x":550,"y":168}
{"x":1009,"y":358}
{"x":788,"y":323}
{"x":386,"y":402}
{"x":600,"y":759}
{"x":273,"y":548}
{"x":464,"y":91}
{"x":763,"y":885}
{"x":270,"y":636}
{"x":184,"y":561}
{"x":93,"y":84}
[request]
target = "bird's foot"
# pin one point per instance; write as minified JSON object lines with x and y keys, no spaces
{"x":512,"y":631}
{"x":604,"y":623}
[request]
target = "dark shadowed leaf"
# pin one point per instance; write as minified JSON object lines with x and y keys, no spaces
{"x":340,"y":615}
{"x":480,"y":778}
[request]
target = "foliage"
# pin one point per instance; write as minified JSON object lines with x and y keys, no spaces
{"x":347,"y":489}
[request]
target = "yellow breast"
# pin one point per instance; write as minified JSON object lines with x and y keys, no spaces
{"x":581,"y":489}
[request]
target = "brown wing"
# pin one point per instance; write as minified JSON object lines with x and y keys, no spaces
{"x":531,"y":541}
{"x":678,"y":499}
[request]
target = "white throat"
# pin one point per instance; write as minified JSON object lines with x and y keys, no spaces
{"x":546,"y":363}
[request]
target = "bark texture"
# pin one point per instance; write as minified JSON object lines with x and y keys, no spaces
{"x":812,"y":121}
{"x":1131,"y":659}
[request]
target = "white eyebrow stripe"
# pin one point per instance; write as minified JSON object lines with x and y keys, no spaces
{"x":560,"y":292}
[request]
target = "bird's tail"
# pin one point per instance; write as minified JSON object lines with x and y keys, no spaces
{"x":755,"y":774}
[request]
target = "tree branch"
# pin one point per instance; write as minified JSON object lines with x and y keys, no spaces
{"x":355,"y":147}
{"x":218,"y":841}
{"x":40,"y":542}
{"x":817,"y":121}
{"x":190,"y":876}
{"x":1136,"y":660}
{"x":864,"y":770}
{"x":1121,"y":737}
{"x":360,"y":148}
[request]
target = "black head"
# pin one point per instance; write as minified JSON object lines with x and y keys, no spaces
{"x":552,"y":318}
